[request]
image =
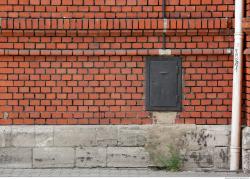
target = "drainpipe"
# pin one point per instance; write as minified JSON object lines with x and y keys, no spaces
{"x":237,"y":88}
{"x":164,"y":19}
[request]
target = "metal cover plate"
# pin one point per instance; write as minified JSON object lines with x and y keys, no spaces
{"x":163,"y":83}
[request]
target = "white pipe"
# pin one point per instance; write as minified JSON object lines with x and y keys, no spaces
{"x":237,"y":88}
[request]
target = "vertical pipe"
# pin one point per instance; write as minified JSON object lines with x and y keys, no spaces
{"x":163,"y":9}
{"x":237,"y":88}
{"x":164,"y":17}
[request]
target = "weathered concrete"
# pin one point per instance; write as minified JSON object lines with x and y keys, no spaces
{"x":246,"y":160}
{"x":91,"y":157}
{"x":221,"y":157}
{"x":53,"y":157}
{"x":246,"y":138}
{"x":127,"y":157}
{"x":207,"y":158}
{"x":164,"y":117}
{"x":75,"y":136}
{"x":44,"y":136}
{"x":132,"y":135}
{"x":200,"y":147}
{"x":15,"y":158}
{"x":196,"y":144}
{"x":107,"y":135}
{"x":217,"y":135}
{"x":199,"y":159}
{"x":5,"y":132}
{"x":22,"y":136}
{"x":113,"y":172}
{"x":246,"y":150}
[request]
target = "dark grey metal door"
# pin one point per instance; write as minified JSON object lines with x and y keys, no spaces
{"x":163,"y":83}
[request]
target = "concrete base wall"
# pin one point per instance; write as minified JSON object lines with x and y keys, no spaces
{"x":246,"y":150}
{"x":201,"y":147}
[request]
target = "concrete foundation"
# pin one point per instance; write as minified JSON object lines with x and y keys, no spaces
{"x":200,"y":146}
{"x":246,"y":150}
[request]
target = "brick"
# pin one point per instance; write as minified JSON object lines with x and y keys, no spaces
{"x":57,"y":52}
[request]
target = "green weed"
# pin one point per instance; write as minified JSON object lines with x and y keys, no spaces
{"x":174,"y":160}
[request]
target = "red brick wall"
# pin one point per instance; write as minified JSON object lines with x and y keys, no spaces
{"x":82,"y":62}
{"x":207,"y":89}
{"x":246,"y":84}
{"x":246,"y":102}
{"x":72,"y":90}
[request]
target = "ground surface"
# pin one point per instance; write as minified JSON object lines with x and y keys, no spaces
{"x":100,"y":172}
